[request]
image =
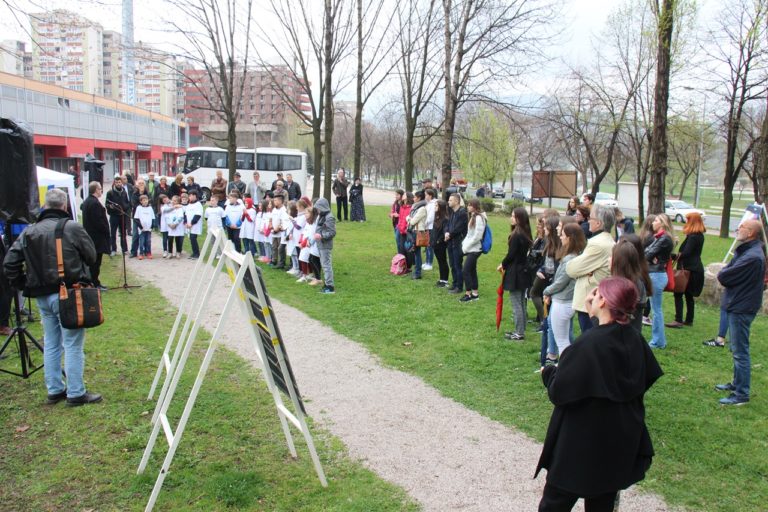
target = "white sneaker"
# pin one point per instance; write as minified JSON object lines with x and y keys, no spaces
{"x":426,"y":267}
{"x":165,"y":254}
{"x":302,"y":279}
{"x":178,"y":255}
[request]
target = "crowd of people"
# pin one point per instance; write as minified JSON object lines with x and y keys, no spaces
{"x":558,"y":262}
{"x":275,"y":223}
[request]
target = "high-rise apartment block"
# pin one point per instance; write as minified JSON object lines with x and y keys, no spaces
{"x":12,"y":57}
{"x":67,"y":51}
{"x":113,"y":64}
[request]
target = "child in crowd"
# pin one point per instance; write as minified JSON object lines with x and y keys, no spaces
{"x":280,"y":222}
{"x":258,"y":228}
{"x":144,"y":216}
{"x":266,"y":229}
{"x":324,"y":234}
{"x":194,"y":219}
{"x":233,"y":219}
{"x":312,"y":254}
{"x":247,"y":229}
{"x":213,"y":215}
{"x":291,"y":238}
{"x":301,"y":222}
{"x":176,"y":227}
{"x":165,"y":202}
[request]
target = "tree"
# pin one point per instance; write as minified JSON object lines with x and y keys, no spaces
{"x":485,"y":42}
{"x":741,"y":49}
{"x":307,"y":50}
{"x":689,"y":145}
{"x":488,"y":149}
{"x":217,"y":33}
{"x":418,"y":67}
{"x":665,"y":17}
{"x":370,"y":36}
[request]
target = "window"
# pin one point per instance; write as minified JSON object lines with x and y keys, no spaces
{"x":268,"y":162}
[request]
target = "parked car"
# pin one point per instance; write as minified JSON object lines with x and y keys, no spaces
{"x":498,"y":192}
{"x":606,"y":199}
{"x":677,"y":210}
{"x":524,"y":194}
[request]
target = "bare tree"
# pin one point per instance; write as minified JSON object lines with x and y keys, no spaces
{"x":689,"y":144}
{"x":485,"y":42}
{"x":308,"y":49}
{"x":419,"y":69}
{"x":217,"y":35}
{"x":741,"y":48}
{"x":373,"y":23}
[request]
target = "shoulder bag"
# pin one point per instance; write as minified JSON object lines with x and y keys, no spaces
{"x":681,"y":279}
{"x":79,"y":306}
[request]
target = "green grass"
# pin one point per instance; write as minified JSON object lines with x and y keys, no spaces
{"x":707,"y":457}
{"x":233,"y":455}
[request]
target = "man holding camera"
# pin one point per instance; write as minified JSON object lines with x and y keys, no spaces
{"x":31,"y":264}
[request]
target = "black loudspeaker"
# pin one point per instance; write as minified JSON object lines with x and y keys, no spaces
{"x":19,"y":195}
{"x":95,"y":170}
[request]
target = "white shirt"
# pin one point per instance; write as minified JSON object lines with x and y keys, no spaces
{"x":431,"y":206}
{"x":195,"y":209}
{"x":146,"y":215}
{"x":234,"y":212}
{"x":280,"y":221}
{"x":248,"y":227}
{"x":213,"y":215}
{"x":175,"y":220}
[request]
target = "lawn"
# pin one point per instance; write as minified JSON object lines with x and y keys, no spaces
{"x":233,"y":454}
{"x":708,"y":457}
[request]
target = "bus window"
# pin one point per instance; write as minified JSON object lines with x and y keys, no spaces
{"x":245,"y":161}
{"x":267,"y":162}
{"x":290,"y":163}
{"x":193,"y":161}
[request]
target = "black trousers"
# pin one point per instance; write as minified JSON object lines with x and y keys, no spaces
{"x":689,"y":307}
{"x":118,"y":223}
{"x":557,"y":500}
{"x":96,"y":270}
{"x":314,"y":265}
{"x":195,"y":246}
{"x":469,"y":271}
{"x":442,"y":260}
{"x":341,"y":202}
{"x":6,"y":296}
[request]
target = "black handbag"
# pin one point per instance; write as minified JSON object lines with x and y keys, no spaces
{"x":79,"y":306}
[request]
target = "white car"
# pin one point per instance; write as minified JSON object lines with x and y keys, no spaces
{"x":677,"y":210}
{"x":606,"y":199}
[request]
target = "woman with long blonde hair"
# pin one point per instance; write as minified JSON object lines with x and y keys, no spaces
{"x":657,"y":253}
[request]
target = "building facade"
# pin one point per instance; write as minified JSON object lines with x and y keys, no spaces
{"x":68,"y":125}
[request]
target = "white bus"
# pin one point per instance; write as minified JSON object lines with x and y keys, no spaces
{"x":203,"y":162}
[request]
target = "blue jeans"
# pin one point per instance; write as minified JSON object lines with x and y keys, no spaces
{"x":738,"y":325}
{"x":397,"y":239}
{"x":430,"y":255}
{"x":585,"y":321}
{"x":145,"y":243}
{"x":722,"y":329}
{"x":135,"y":237}
{"x":57,"y":339}
{"x":456,"y":259}
{"x":658,"y":337}
{"x":417,"y":261}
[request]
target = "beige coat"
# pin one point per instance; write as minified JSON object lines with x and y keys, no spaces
{"x":589,"y":268}
{"x":418,"y":219}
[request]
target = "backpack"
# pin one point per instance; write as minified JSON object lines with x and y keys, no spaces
{"x":487,"y":241}
{"x":398,"y":265}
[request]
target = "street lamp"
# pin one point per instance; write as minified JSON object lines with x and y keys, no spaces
{"x":701,"y":150}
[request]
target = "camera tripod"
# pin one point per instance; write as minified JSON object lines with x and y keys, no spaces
{"x":21,"y":334}
{"x":123,"y":234}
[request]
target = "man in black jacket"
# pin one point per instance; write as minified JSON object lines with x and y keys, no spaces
{"x":743,"y":297}
{"x":97,"y":227}
{"x":35,"y":250}
{"x":119,"y":209}
{"x":293,"y":188}
{"x":455,"y":233}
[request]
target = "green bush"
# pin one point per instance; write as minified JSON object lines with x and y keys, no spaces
{"x":488,"y":204}
{"x":511,"y":204}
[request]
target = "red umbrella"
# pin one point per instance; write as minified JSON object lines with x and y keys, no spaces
{"x":500,"y":302}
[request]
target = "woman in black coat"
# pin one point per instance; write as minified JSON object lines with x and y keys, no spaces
{"x":597,"y":442}
{"x":96,"y":225}
{"x":516,"y":278}
{"x":689,"y":259}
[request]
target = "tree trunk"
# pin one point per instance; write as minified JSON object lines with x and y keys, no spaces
{"x":449,"y":116}
{"x":409,"y":154}
{"x":761,"y":160}
{"x":317,"y":139}
{"x":328,"y":114}
{"x":640,"y":200}
{"x":682,"y":186}
{"x":359,"y":105}
{"x":661,"y":100}
{"x":232,"y":147}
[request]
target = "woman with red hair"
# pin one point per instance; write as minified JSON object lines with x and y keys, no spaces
{"x":597,"y":442}
{"x":689,"y":259}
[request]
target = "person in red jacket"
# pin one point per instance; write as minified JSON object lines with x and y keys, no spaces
{"x":402,"y":230}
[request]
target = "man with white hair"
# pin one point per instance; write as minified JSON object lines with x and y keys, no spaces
{"x":592,"y":265}
{"x":31,"y":264}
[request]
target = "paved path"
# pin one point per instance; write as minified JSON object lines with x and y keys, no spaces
{"x":444,"y":455}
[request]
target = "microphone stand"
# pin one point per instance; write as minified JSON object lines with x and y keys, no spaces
{"x":125,"y":285}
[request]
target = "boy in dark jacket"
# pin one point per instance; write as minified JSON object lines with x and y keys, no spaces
{"x":324,"y":234}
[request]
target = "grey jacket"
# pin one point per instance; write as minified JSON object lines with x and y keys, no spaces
{"x":562,"y":285}
{"x":326,"y":224}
